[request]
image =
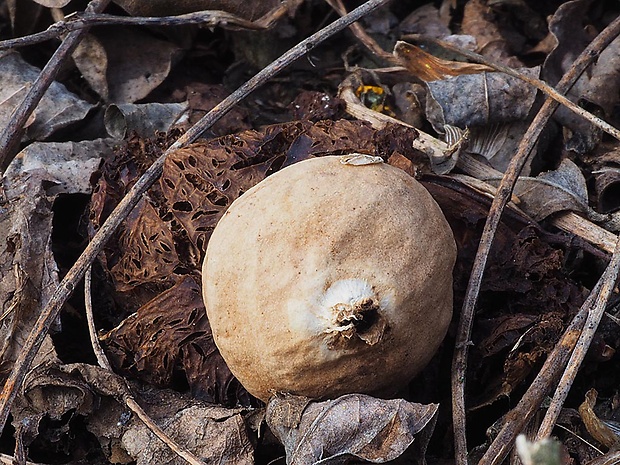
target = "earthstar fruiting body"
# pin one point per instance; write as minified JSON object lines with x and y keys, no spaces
{"x":330,"y":278}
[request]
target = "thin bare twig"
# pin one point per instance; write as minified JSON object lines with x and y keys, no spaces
{"x":102,"y":359}
{"x":12,"y":133}
{"x":78,"y":21}
{"x":127,"y":396}
{"x":505,"y":439}
{"x":540,"y":85}
{"x":73,"y":276}
{"x":359,"y":32}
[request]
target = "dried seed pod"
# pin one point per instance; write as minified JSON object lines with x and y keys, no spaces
{"x":332,"y":276}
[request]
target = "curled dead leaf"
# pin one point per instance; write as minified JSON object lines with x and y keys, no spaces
{"x":351,"y":426}
{"x":428,"y":67}
{"x":595,"y":426}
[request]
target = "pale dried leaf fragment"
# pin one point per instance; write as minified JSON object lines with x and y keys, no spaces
{"x":144,"y":119}
{"x":552,"y":191}
{"x":69,"y":165}
{"x":354,"y":426}
{"x":479,"y":99}
{"x":58,"y":107}
{"x":215,"y":434}
{"x":122,"y":64}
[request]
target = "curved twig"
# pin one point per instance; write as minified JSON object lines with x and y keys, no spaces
{"x":73,"y":276}
{"x":78,"y":21}
{"x":102,"y":359}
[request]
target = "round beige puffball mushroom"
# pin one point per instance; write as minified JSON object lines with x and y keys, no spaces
{"x":331,"y":276}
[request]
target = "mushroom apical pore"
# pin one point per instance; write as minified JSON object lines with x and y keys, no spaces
{"x":331,"y":276}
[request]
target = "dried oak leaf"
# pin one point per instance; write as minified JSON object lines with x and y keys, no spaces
{"x":171,"y":334}
{"x":354,"y":426}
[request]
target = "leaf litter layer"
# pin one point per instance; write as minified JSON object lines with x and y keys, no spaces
{"x":148,"y":302}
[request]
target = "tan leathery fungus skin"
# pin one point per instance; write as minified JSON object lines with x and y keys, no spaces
{"x":329,"y":278}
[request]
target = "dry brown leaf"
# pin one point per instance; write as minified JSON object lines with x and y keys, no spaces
{"x":29,"y":272}
{"x":479,"y":99}
{"x":606,"y":184}
{"x":428,"y":68}
{"x":65,"y":394}
{"x":425,"y":20}
{"x":32,"y":183}
{"x":68,"y":165}
{"x":169,"y":334}
{"x":124,"y":64}
{"x":552,"y":191}
{"x":597,"y":428}
{"x":215,"y":434}
{"x":202,"y":97}
{"x":353,"y":426}
{"x":481,"y":22}
{"x":143,"y":119}
{"x":598,"y":88}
